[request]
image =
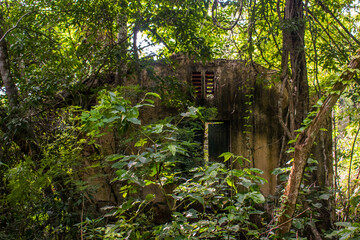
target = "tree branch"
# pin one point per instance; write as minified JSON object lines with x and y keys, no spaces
{"x":305,"y":142}
{"x":326,"y":32}
{"x":214,"y":16}
{"x":326,"y":9}
{"x":159,"y":38}
{"x":16,"y":25}
{"x":274,"y":228}
{"x":288,"y":133}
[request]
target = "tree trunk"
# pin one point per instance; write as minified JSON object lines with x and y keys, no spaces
{"x":11,"y":90}
{"x":304,"y":144}
{"x":293,"y":45}
{"x":24,"y":137}
{"x":121,"y":65}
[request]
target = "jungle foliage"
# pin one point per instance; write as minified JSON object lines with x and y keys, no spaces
{"x":64,"y":66}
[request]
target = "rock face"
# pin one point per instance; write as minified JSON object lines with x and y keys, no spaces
{"x":246,"y":98}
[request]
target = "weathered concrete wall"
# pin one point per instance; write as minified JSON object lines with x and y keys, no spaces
{"x":245,"y":97}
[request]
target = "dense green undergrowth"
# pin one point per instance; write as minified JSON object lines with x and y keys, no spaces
{"x":165,"y":188}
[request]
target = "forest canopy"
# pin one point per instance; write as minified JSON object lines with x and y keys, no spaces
{"x":71,"y":79}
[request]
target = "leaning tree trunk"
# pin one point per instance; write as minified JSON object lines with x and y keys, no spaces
{"x":304,"y":144}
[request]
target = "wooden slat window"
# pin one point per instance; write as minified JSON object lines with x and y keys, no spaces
{"x":209,"y":84}
{"x":196,"y":81}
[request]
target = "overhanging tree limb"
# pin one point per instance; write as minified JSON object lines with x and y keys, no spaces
{"x":305,"y":142}
{"x":325,"y":31}
{"x":16,"y":25}
{"x":326,"y":9}
{"x":216,"y":21}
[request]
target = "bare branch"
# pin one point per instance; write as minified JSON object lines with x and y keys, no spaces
{"x":323,"y":28}
{"x":16,"y":25}
{"x":326,"y":9}
{"x":159,"y":38}
{"x":214,"y":16}
{"x":274,"y":228}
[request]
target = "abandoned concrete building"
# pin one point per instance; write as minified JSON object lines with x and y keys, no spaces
{"x":247,"y":101}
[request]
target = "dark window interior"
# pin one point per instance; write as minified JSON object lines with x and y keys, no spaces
{"x":218,"y":139}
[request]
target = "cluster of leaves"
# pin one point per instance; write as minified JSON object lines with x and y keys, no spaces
{"x":56,"y":45}
{"x":166,"y":189}
{"x":209,"y":205}
{"x":44,"y":198}
{"x":113,"y":112}
{"x":346,"y":231}
{"x":216,"y":203}
{"x":311,"y":202}
{"x":346,"y":127}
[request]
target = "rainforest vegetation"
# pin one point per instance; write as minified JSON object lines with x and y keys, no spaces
{"x":67,"y":84}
